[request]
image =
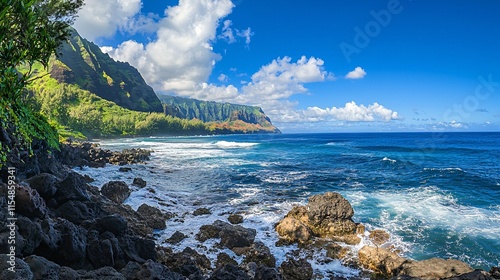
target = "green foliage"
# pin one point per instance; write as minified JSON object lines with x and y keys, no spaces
{"x":30,"y":32}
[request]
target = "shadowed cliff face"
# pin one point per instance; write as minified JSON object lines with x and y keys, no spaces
{"x":83,"y":63}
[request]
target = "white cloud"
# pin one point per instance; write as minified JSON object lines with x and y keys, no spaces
{"x":357,"y":73}
{"x":181,"y":59}
{"x":353,"y":113}
{"x":222,"y":78}
{"x":228,"y":33}
{"x":103,"y":18}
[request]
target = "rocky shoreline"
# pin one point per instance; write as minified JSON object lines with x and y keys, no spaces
{"x":67,"y":229}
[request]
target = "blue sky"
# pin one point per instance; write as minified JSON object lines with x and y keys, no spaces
{"x":317,"y":66}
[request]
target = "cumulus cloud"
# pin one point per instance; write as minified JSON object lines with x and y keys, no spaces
{"x":222,"y":78}
{"x":103,"y":18}
{"x":357,"y":73}
{"x":353,"y":113}
{"x":181,"y":59}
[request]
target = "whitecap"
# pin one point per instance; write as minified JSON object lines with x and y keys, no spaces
{"x":230,"y":144}
{"x":389,"y":160}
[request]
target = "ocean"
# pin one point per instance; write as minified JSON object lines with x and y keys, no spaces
{"x":437,"y":194}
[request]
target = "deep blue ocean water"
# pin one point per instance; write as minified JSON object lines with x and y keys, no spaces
{"x":437,"y":194}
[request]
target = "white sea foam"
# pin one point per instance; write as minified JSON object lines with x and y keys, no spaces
{"x":228,"y":144}
{"x":389,"y":160}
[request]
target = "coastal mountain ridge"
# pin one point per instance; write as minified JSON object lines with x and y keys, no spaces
{"x":81,"y":63}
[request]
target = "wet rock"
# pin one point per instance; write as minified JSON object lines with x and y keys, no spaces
{"x":107,"y":273}
{"x":223,"y":259}
{"x":235,"y":219}
{"x":266,"y":273}
{"x":188,"y":262}
{"x":293,"y":230}
{"x":129,"y":156}
{"x":229,"y":272}
{"x":231,"y":235}
{"x":29,"y":203}
{"x":113,"y":223}
{"x":42,"y":268}
{"x":260,"y":255}
{"x":296,"y":270}
{"x":22,"y":270}
{"x":201,"y":211}
{"x":153,"y":217}
{"x":380,"y":260}
{"x":44,"y":184}
{"x":117,"y":191}
{"x":335,"y":251}
{"x":236,"y":236}
{"x":139,"y":182}
{"x":176,"y":237}
{"x":124,"y":169}
{"x":330,"y":214}
{"x":73,"y":187}
{"x":379,"y":237}
{"x":495,"y":272}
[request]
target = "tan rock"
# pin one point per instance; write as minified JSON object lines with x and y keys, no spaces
{"x":435,"y":268}
{"x":379,"y":237}
{"x":380,"y":260}
{"x":294,"y":230}
{"x":336,"y":251}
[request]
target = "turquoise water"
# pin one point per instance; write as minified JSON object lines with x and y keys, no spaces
{"x":437,"y":194}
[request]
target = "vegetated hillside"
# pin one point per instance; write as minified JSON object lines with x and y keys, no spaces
{"x":83,"y":63}
{"x":209,"y":111}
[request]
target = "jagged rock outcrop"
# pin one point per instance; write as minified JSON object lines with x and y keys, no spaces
{"x":325,"y":216}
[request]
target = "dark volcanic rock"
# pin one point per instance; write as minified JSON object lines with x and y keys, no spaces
{"x":29,"y":203}
{"x":260,"y":254}
{"x":296,"y":270}
{"x":137,"y":249}
{"x":176,"y":237}
{"x":231,"y":235}
{"x":495,"y":272}
{"x":42,"y":268}
{"x":30,"y":235}
{"x":44,"y":184}
{"x":229,"y":272}
{"x":223,"y":259}
{"x":106,"y":272}
{"x":117,"y":191}
{"x":154,"y":217}
{"x":113,"y":223}
{"x":75,"y":211}
{"x":267,"y":273}
{"x":201,"y":211}
{"x":23,"y":271}
{"x":235,"y":219}
{"x":72,"y":244}
{"x":188,"y":262}
{"x":153,"y":270}
{"x":73,"y":187}
{"x":124,"y":169}
{"x":139,"y":182}
{"x":100,"y":252}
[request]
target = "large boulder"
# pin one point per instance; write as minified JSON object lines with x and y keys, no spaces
{"x":325,"y":216}
{"x":330,"y":214}
{"x":73,"y":187}
{"x":260,"y":255}
{"x":75,"y":211}
{"x":229,"y":272}
{"x":29,"y":203}
{"x":117,"y":191}
{"x":293,"y":230}
{"x":44,"y":184}
{"x":113,"y":223}
{"x":153,"y":217}
{"x":188,"y":263}
{"x":232,"y":236}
